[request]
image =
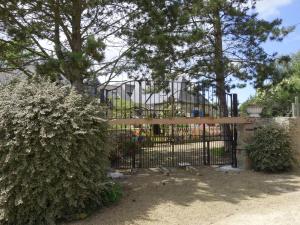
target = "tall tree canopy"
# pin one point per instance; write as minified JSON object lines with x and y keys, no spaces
{"x":276,"y":97}
{"x":217,"y":41}
{"x":212,"y":40}
{"x":60,"y":36}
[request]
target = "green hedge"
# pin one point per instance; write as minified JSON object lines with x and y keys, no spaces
{"x":53,"y":154}
{"x":270,"y":150}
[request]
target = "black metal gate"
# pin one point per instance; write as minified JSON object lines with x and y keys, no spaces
{"x":169,"y":145}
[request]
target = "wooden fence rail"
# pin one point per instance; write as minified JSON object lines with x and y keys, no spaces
{"x":182,"y":120}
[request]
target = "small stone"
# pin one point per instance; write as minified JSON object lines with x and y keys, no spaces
{"x":133,"y":171}
{"x":227,"y":169}
{"x":115,"y":175}
{"x":184,"y":164}
{"x":165,"y":171}
{"x":155,"y":170}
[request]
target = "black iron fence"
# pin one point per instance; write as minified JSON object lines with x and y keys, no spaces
{"x":152,"y":145}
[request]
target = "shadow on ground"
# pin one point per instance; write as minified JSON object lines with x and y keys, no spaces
{"x":147,"y":190}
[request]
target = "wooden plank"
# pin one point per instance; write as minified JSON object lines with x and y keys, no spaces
{"x":183,"y":120}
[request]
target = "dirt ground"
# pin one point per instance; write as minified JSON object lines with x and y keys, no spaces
{"x":209,"y":197}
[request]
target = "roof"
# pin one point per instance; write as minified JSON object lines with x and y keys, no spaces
{"x":6,"y":77}
{"x":131,"y":91}
{"x":118,"y":90}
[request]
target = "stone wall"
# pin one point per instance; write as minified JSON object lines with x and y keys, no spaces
{"x":295,"y":138}
{"x":246,"y":131}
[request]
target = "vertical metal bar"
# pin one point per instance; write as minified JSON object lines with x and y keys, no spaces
{"x":172,"y":113}
{"x":208,"y":153}
{"x":234,"y":144}
{"x":203,"y":125}
{"x":235,"y":105}
{"x":140,"y":110}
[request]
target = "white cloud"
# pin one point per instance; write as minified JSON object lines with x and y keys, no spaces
{"x":270,"y":8}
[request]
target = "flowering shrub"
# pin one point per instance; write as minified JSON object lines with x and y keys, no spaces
{"x":53,"y":154}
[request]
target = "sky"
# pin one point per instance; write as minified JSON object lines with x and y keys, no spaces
{"x":289,"y":12}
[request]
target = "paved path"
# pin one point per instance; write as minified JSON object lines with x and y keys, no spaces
{"x":211,"y":197}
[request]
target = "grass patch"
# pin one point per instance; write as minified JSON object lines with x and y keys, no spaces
{"x":219,"y":151}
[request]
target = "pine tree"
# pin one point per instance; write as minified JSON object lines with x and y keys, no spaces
{"x":59,"y":36}
{"x":218,"y":42}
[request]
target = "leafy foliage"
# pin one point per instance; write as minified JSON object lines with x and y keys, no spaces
{"x":277,"y":97}
{"x":53,"y":154}
{"x":270,"y":150}
{"x":129,"y":147}
{"x":212,"y":40}
{"x":111,"y":193}
{"x":129,"y":143}
{"x":60,"y":37}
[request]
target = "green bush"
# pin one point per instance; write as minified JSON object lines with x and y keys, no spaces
{"x":53,"y":154}
{"x":270,"y":150}
{"x":112,"y":193}
{"x":126,"y":144}
{"x":147,"y":142}
{"x":128,"y":148}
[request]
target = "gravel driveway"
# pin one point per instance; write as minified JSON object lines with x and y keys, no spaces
{"x":207,"y":197}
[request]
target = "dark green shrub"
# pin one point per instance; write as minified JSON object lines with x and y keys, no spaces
{"x":114,"y":156}
{"x":218,"y":151}
{"x":116,"y":140}
{"x":270,"y":149}
{"x":127,"y":144}
{"x":53,"y":154}
{"x":112,"y":193}
{"x":146,"y":142}
{"x":128,"y":148}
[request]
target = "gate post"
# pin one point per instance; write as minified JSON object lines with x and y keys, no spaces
{"x":235,"y":103}
{"x":133,"y":157}
{"x":172,"y":126}
{"x":208,"y":152}
{"x":234,"y":141}
{"x":205,"y":152}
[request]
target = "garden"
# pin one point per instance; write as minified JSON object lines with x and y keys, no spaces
{"x":54,"y":155}
{"x":55,"y":158}
{"x":126,"y":112}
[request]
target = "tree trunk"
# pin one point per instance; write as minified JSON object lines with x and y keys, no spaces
{"x":220,"y":77}
{"x":76,"y":77}
{"x":219,"y":66}
{"x":57,"y":43}
{"x":57,"y":30}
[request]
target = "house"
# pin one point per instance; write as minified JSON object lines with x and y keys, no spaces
{"x":116,"y":91}
{"x":6,"y":77}
{"x":184,"y":100}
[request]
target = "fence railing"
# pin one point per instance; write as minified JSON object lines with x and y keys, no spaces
{"x":170,"y":123}
{"x":148,"y":99}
